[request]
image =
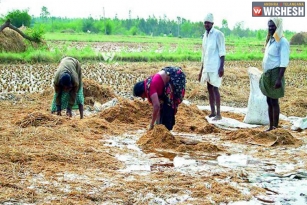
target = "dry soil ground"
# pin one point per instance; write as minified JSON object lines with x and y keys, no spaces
{"x":110,"y":158}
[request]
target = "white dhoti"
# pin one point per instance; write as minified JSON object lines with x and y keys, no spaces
{"x":211,"y":77}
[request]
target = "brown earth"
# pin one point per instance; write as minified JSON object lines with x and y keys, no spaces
{"x":40,"y":152}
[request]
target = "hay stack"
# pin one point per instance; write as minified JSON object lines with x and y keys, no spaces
{"x":96,"y":92}
{"x":11,"y":41}
{"x":299,"y":39}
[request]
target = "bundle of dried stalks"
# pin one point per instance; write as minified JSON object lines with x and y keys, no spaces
{"x":129,"y":112}
{"x":93,"y":91}
{"x":39,"y":119}
{"x":299,"y":39}
{"x":159,"y":137}
{"x":11,"y":41}
{"x":277,"y":137}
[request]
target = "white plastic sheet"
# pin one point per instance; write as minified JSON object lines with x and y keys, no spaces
{"x":99,"y":107}
{"x":298,"y":123}
{"x":229,"y":123}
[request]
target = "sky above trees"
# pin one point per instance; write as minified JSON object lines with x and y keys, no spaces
{"x":194,"y":10}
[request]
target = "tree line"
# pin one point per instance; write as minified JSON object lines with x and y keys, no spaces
{"x":152,"y":26}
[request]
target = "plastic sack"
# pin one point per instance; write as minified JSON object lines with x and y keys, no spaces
{"x":257,"y":108}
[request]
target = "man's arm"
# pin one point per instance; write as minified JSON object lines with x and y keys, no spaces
{"x":222,"y":52}
{"x":201,"y":71}
{"x":221,"y":68}
{"x":280,"y":76}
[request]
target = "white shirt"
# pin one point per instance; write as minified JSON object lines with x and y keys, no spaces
{"x":213,"y":47}
{"x":276,"y":54}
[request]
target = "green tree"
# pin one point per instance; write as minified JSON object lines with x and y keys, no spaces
{"x":36,"y":32}
{"x":88,"y":25}
{"x":179,"y":22}
{"x":109,"y":27}
{"x":44,"y":13}
{"x":153,"y":25}
{"x":19,"y":18}
{"x":259,"y":36}
{"x":225,"y":29}
{"x":186,"y":28}
{"x":239,"y":30}
{"x":133,"y":30}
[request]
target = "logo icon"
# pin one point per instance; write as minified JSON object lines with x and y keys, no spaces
{"x":278,"y":9}
{"x":257,"y":11}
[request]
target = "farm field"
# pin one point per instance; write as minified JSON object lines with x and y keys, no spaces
{"x":110,"y":158}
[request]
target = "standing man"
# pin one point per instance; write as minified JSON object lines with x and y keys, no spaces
{"x":68,"y":87}
{"x":212,"y":68}
{"x":275,"y":61}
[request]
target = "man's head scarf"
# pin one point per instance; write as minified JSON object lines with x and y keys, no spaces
{"x":279,"y":29}
{"x":209,"y":18}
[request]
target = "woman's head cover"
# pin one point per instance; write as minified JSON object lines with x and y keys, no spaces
{"x":65,"y":79}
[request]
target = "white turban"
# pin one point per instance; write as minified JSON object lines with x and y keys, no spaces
{"x":209,"y":18}
{"x":279,"y":28}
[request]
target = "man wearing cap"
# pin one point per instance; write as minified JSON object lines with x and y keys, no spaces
{"x":68,"y":87}
{"x":212,"y":68}
{"x":275,"y":61}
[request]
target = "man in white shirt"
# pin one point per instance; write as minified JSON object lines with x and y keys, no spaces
{"x":275,"y":61}
{"x":212,"y":68}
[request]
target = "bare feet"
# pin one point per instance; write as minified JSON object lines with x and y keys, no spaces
{"x":212,"y":115}
{"x":270,"y":128}
{"x":218,"y":117}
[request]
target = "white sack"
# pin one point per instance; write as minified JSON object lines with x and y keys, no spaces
{"x":257,"y":108}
